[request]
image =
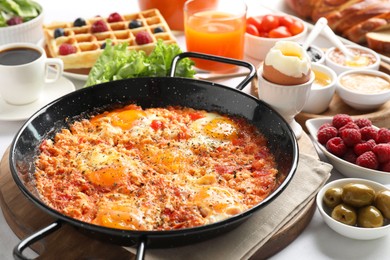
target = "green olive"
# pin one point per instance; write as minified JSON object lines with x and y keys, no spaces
{"x":344,"y":214}
{"x":332,"y":197}
{"x":358,"y":195}
{"x":370,"y":217}
{"x":382,"y":202}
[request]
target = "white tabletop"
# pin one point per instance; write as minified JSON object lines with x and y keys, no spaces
{"x":316,"y":242}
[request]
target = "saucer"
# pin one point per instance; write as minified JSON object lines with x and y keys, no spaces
{"x":51,"y":92}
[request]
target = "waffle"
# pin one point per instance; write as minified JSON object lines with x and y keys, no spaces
{"x":89,"y":45}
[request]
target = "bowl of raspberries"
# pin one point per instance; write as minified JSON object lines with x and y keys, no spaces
{"x":354,"y":146}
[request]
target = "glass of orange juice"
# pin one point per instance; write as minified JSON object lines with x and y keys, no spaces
{"x":215,"y":27}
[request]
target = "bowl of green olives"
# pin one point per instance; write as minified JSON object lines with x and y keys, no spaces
{"x":355,"y":208}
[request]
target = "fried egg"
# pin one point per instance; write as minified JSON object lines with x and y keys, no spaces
{"x":213,"y":130}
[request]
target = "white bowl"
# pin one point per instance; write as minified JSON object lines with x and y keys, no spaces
{"x":339,"y":68}
{"x":358,"y":99}
{"x":320,"y":96}
{"x":30,"y":31}
{"x":345,"y":168}
{"x":346,"y":230}
{"x":257,"y":47}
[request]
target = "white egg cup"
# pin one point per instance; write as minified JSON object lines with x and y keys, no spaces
{"x":288,"y":101}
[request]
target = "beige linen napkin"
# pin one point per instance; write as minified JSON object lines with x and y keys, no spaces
{"x":246,"y":239}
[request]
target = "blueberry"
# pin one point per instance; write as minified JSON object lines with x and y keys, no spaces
{"x":158,"y":30}
{"x":59,"y":32}
{"x":135,"y":24}
{"x":103,"y":46}
{"x":79,"y":22}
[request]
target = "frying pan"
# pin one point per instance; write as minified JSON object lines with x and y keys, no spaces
{"x":150,"y":92}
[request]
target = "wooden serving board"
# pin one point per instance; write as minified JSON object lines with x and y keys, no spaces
{"x":24,"y":218}
{"x":380,"y":117}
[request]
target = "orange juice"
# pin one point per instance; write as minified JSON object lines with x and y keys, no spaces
{"x":216,"y":33}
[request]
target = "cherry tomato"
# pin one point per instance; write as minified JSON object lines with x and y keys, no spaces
{"x":286,"y":21}
{"x":251,"y":29}
{"x":296,"y":28}
{"x":269,"y":22}
{"x":280,"y":32}
{"x":256,"y":21}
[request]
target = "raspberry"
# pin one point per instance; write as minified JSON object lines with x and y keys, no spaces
{"x":364,"y":147}
{"x":324,"y":134}
{"x":114,"y":17}
{"x":368,"y":132}
{"x":324,"y":126}
{"x":350,"y":156}
{"x":385,"y":167}
{"x":143,"y":38}
{"x":382,"y":152}
{"x":383,"y":136}
{"x":362,"y":122}
{"x":351,"y":136}
{"x":350,"y":125}
{"x":99,"y":26}
{"x":336,"y":146}
{"x":368,"y":160}
{"x":66,"y":49}
{"x":14,"y":20}
{"x":340,"y":120}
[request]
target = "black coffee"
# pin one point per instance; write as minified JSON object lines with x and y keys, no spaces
{"x":18,"y":56}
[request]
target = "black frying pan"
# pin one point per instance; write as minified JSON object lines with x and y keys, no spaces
{"x":150,"y":92}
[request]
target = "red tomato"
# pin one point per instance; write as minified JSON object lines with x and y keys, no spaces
{"x":196,"y":115}
{"x":280,"y":32}
{"x":296,"y":27}
{"x":286,"y":21}
{"x":269,"y":22}
{"x":251,"y":29}
{"x":157,"y":124}
{"x":256,"y":21}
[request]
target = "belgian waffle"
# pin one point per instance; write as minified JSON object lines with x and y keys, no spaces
{"x":89,"y":44}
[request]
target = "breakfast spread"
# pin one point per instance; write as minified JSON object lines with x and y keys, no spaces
{"x":357,"y":141}
{"x":287,"y":63}
{"x":357,"y":204}
{"x":80,"y":43}
{"x":365,"y":83}
{"x":156,"y":168}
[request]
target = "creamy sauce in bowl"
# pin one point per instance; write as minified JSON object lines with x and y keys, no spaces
{"x":362,"y":58}
{"x":365,"y":83}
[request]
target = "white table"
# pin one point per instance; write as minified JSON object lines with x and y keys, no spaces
{"x":316,"y":242}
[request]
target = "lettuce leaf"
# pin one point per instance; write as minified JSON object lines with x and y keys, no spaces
{"x":117,"y":62}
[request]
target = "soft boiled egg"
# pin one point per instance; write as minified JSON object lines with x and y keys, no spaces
{"x":287,"y":63}
{"x":214,"y":130}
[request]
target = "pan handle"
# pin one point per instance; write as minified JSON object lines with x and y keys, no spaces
{"x":250,"y":66}
{"x":19,"y":248}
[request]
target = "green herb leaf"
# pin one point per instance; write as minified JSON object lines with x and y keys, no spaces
{"x":118,"y":62}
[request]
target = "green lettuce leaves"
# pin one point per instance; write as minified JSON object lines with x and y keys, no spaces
{"x":26,"y":9}
{"x":117,"y":62}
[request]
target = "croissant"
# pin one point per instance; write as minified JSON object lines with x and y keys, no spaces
{"x":352,"y":19}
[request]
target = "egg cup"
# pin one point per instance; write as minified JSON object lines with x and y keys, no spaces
{"x":288,"y":101}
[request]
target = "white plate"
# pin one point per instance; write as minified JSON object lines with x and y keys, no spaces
{"x":345,"y":168}
{"x":52,"y":91}
{"x":70,"y":75}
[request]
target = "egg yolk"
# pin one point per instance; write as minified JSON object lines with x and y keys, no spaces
{"x":125,"y":119}
{"x":221,"y":129}
{"x":107,"y":177}
{"x":118,"y":215}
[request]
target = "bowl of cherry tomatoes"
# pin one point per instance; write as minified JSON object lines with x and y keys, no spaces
{"x":262,"y":32}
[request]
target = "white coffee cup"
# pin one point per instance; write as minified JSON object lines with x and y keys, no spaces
{"x":24,"y":71}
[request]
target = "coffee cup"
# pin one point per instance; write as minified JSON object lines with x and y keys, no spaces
{"x":24,"y":71}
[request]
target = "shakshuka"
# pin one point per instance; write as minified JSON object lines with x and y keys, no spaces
{"x":156,"y":168}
